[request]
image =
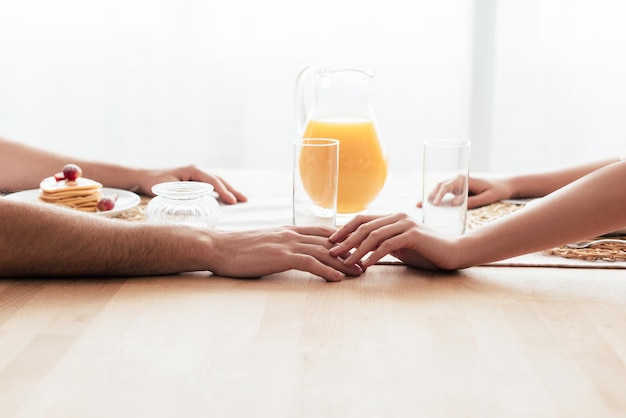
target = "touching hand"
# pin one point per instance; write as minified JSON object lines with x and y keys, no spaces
{"x":262,"y":252}
{"x":398,"y":235}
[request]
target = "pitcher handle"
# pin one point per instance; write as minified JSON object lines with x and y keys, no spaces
{"x":302,"y":107}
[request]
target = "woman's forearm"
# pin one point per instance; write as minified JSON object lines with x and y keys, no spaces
{"x":543,"y":183}
{"x":590,"y":206}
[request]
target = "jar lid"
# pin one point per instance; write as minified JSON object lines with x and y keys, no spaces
{"x":182,"y":189}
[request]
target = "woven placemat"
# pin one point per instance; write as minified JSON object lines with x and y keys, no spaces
{"x":600,"y":252}
{"x":486,"y":214}
{"x":138,"y":213}
{"x":606,"y":251}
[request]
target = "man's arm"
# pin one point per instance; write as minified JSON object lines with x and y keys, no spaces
{"x":46,"y":241}
{"x":40,"y":239}
{"x":22,"y":167}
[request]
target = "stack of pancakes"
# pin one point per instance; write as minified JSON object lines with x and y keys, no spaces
{"x":82,"y":194}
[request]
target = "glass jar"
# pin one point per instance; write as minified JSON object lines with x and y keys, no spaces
{"x":183,"y":203}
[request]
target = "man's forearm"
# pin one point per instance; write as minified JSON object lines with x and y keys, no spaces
{"x":40,"y":240}
{"x":24,"y":167}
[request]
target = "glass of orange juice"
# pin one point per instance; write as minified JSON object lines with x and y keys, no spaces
{"x":315,"y":174}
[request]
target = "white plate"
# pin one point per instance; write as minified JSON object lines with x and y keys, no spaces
{"x":125,"y":199}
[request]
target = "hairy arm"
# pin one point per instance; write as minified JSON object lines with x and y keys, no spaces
{"x":23,"y":167}
{"x":46,"y":241}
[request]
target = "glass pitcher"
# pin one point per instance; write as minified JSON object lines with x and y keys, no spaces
{"x":339,"y":107}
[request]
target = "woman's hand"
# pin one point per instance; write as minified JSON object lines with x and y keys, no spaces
{"x":481,"y":191}
{"x":398,"y":235}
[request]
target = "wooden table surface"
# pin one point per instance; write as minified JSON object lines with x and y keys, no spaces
{"x":395,"y":342}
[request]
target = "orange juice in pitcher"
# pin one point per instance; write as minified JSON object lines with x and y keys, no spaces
{"x":339,"y":107}
{"x":362,"y":164}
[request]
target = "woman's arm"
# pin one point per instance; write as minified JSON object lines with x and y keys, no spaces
{"x":544,"y":183}
{"x":590,"y":206}
{"x":484,"y":191}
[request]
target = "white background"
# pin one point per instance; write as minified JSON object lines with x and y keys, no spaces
{"x":533,"y":83}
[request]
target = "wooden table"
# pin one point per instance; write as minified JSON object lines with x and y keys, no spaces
{"x":395,"y":342}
